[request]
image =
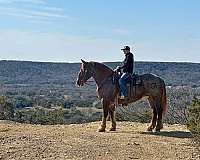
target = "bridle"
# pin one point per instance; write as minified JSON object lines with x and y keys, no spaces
{"x":84,"y":74}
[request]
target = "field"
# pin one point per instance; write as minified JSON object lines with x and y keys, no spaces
{"x":81,"y":141}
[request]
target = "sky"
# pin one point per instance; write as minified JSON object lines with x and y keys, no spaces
{"x":96,"y":30}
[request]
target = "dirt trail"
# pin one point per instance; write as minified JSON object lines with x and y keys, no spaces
{"x":81,"y":141}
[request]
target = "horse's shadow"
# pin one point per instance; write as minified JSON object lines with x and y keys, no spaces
{"x":175,"y":134}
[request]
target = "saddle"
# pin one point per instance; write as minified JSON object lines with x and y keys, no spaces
{"x":134,"y":79}
{"x":132,"y":82}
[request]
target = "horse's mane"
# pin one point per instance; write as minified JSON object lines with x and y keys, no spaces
{"x":102,"y":66}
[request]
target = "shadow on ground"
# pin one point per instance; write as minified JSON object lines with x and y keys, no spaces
{"x":175,"y":134}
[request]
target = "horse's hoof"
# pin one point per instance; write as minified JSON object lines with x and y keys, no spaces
{"x":101,"y":130}
{"x":157,"y":129}
{"x":125,"y":104}
{"x":149,"y":129}
{"x":112,"y":129}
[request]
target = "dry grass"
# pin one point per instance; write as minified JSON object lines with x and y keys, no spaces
{"x":130,"y":141}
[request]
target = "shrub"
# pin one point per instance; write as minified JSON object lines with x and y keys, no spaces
{"x":39,"y":115}
{"x":6,"y":109}
{"x":23,"y":102}
{"x":127,"y":114}
{"x":194,"y":118}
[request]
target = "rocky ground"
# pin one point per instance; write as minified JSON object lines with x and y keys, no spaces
{"x":81,"y":141}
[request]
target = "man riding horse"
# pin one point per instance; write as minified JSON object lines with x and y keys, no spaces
{"x":127,"y":71}
{"x":153,"y":87}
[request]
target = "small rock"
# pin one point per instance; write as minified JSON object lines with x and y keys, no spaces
{"x":135,"y":143}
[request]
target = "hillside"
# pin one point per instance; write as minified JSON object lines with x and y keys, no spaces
{"x":81,"y":141}
{"x":58,"y":79}
{"x":40,"y":73}
{"x":40,"y":88}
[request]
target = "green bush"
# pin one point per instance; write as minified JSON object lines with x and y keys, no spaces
{"x":22,"y":102}
{"x":40,"y":116}
{"x":194,"y":118}
{"x":123,"y":114}
{"x":6,"y":109}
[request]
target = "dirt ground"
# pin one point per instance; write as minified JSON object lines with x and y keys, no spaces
{"x":82,"y":141}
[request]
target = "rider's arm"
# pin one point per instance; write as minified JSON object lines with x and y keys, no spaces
{"x":127,"y":61}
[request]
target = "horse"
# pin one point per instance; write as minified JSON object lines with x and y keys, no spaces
{"x":108,"y":92}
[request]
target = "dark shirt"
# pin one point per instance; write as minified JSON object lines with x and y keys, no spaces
{"x":128,"y":63}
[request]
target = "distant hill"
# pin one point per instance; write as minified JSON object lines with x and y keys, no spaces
{"x":44,"y":78}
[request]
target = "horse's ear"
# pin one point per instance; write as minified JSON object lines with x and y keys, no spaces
{"x":83,"y":61}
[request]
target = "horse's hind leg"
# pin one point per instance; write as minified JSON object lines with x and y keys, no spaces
{"x":159,"y":125}
{"x":112,"y":115}
{"x":105,"y":114}
{"x":154,"y":115}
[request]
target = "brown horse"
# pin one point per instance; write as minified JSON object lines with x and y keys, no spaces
{"x":152,"y":86}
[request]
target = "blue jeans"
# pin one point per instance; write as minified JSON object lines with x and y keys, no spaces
{"x":122,"y":84}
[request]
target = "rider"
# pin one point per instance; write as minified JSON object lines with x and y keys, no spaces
{"x":127,"y":71}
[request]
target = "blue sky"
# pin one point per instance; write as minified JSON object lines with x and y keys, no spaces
{"x":66,"y":30}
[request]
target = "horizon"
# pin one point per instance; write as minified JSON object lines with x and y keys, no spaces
{"x":66,"y":31}
{"x":65,"y":62}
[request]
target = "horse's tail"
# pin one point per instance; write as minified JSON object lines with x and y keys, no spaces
{"x":164,"y":99}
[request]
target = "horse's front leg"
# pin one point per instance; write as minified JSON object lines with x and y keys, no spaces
{"x":112,"y":115}
{"x":105,"y":114}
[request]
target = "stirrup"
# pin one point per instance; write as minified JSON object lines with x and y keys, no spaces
{"x":122,"y":97}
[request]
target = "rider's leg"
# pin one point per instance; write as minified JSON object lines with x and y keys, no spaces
{"x":122,"y":84}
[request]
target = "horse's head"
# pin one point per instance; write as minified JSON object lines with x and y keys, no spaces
{"x":85,"y":73}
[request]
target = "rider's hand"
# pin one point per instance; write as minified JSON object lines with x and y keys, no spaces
{"x":117,"y":69}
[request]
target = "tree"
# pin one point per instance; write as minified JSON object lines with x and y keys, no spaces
{"x":6,"y":109}
{"x":194,"y":118}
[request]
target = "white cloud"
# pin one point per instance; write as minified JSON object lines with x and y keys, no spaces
{"x":122,"y":31}
{"x":174,"y":50}
{"x":55,"y":47}
{"x":57,"y":9}
{"x":23,"y":1}
{"x":33,"y":12}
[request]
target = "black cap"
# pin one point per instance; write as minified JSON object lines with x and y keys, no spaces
{"x":126,"y":48}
